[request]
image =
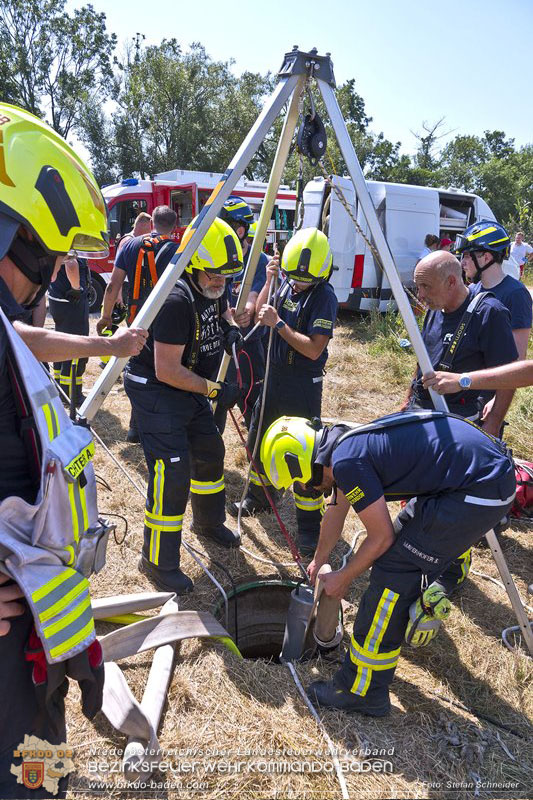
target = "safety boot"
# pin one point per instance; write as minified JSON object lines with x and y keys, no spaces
{"x":167,"y":580}
{"x":220,"y":534}
{"x":331,"y":694}
{"x":132,"y":436}
{"x":307,"y":543}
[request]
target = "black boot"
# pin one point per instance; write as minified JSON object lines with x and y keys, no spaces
{"x":220,"y":534}
{"x":307,"y":543}
{"x":173,"y":580}
{"x":250,"y":507}
{"x":331,"y":694}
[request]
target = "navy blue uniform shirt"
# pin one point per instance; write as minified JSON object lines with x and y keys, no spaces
{"x":488,"y":342}
{"x":514,"y":296}
{"x":417,"y":458}
{"x":127,"y":255}
{"x":308,"y":312}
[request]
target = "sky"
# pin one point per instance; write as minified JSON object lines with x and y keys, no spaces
{"x":412,"y":61}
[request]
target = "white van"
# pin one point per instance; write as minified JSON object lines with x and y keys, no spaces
{"x":406,"y":214}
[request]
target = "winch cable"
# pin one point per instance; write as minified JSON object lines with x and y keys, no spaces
{"x":331,"y":747}
{"x":419,"y":305}
{"x":142,"y":493}
{"x":290,"y":541}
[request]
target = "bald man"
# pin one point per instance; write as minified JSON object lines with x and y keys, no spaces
{"x":486,"y":339}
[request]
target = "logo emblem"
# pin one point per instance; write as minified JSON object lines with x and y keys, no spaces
{"x":33,"y":774}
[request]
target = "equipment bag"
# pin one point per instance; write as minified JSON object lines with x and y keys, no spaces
{"x":523,"y":504}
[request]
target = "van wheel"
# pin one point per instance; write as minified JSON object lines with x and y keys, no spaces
{"x":95,"y":293}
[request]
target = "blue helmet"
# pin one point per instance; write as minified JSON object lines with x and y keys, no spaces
{"x":486,"y":236}
{"x":236,"y":211}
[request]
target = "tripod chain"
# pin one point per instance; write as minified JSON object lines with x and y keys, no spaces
{"x":340,"y":194}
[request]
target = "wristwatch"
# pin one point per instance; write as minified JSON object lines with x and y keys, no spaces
{"x":465,"y":381}
{"x":280,"y":324}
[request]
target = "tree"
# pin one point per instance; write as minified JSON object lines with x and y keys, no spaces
{"x":54,"y":64}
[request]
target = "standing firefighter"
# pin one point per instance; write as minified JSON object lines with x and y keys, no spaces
{"x":169,"y":385}
{"x":458,"y":481}
{"x":50,"y":206}
{"x":302,"y":314}
{"x":69,"y":307}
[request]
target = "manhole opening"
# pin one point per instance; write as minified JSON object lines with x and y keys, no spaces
{"x":257,"y":616}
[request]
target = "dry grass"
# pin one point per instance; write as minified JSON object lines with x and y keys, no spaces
{"x":226,"y":707}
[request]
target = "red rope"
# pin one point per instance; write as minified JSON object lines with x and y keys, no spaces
{"x":288,"y":538}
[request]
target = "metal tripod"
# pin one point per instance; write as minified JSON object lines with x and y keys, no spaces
{"x":297,"y":69}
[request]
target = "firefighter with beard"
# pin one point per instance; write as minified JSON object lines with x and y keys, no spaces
{"x":170,"y":385}
{"x":302,"y":315}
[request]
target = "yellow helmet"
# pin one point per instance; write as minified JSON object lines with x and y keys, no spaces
{"x":220,"y":251}
{"x":48,"y":189}
{"x":288,"y":450}
{"x":307,"y":257}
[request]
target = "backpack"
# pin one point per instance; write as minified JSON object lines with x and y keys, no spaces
{"x":146,"y":273}
{"x":523,"y":502}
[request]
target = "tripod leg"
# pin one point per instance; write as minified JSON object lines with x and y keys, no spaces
{"x":190,"y":244}
{"x":361,"y":190}
{"x":514,"y":597}
{"x":282,"y":153}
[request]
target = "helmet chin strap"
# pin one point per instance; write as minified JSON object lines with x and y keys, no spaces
{"x":479,"y":270}
{"x":34,"y":263}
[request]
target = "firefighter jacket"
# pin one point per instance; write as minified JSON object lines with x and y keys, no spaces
{"x":51,"y":547}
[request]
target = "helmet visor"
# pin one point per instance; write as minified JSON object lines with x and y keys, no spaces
{"x":89,"y":247}
{"x":461,"y":243}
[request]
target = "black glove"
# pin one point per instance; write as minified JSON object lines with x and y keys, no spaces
{"x":225,"y":394}
{"x":74,"y":295}
{"x":232,"y":336}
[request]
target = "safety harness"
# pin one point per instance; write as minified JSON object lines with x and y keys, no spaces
{"x":51,"y":547}
{"x":192,"y":358}
{"x":146,"y":272}
{"x":303,"y":315}
{"x":448,"y":357}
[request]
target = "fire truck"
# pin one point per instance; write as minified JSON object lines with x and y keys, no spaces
{"x":186,"y":192}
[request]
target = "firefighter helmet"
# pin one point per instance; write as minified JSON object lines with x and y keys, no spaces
{"x":288,"y":450}
{"x":485,"y":236}
{"x":220,"y":251}
{"x":236,"y":211}
{"x":307,"y":257}
{"x":50,"y":191}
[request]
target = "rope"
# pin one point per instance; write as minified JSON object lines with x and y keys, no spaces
{"x":338,"y":191}
{"x":323,"y":731}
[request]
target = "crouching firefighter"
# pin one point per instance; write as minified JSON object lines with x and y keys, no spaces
{"x":302,"y":315}
{"x":50,"y":536}
{"x":458,"y":481}
{"x":169,"y":385}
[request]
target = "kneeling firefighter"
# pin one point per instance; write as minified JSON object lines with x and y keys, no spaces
{"x":169,"y":385}
{"x":458,"y":481}
{"x":50,"y":536}
{"x":303,"y":315}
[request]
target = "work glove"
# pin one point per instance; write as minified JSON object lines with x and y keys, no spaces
{"x":233,"y":336}
{"x":225,"y":394}
{"x":74,"y":295}
{"x":426,"y":616}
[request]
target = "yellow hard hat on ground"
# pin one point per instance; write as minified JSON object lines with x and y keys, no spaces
{"x":307,"y":257}
{"x":220,"y":251}
{"x":288,"y":450}
{"x":48,"y":189}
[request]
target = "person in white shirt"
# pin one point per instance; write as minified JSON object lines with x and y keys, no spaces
{"x":521,"y":251}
